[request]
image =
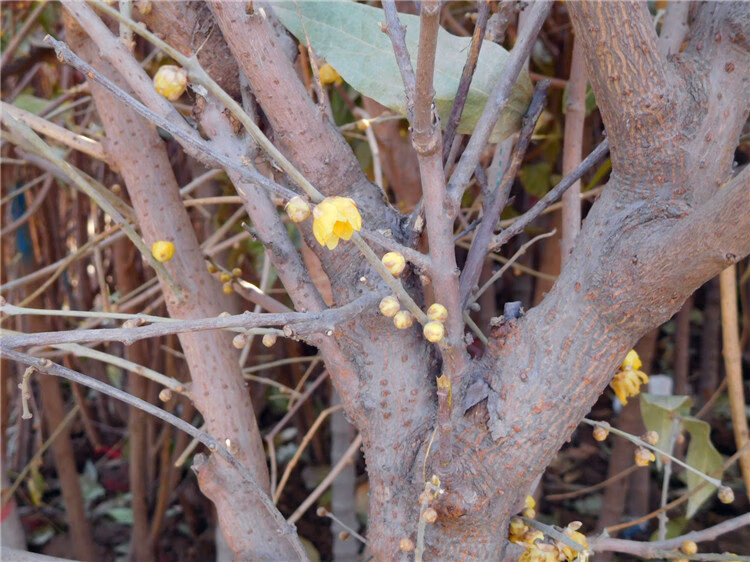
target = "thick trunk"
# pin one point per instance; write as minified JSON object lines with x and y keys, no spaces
{"x":658,"y":231}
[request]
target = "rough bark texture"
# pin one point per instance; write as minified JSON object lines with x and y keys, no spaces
{"x":218,"y":389}
{"x":660,"y":229}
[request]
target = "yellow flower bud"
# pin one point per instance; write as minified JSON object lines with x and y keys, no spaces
{"x":406,"y":545}
{"x":239,"y":341}
{"x":600,"y":434}
{"x":389,"y":306}
{"x":225,"y":277}
{"x":689,"y":548}
{"x":269,"y":339}
{"x":236,"y":272}
{"x":227,"y":289}
{"x":651,"y":437}
{"x":726,"y":495}
{"x":394,"y":262}
{"x":643,"y":456}
{"x":403,"y":320}
{"x":433,"y":331}
{"x":328,"y":75}
{"x":165,"y":394}
{"x":162,"y":250}
{"x":170,"y":81}
{"x":437,"y":312}
{"x":211,"y":268}
{"x":298,"y":209}
{"x":429,"y":515}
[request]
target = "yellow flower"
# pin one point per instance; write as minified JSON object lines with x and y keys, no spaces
{"x":162,"y":250}
{"x":632,"y":361}
{"x":328,"y":75}
{"x":516,"y":530}
{"x":571,"y":531}
{"x":643,"y":456}
{"x":628,"y":380}
{"x":335,"y":218}
{"x":540,"y":552}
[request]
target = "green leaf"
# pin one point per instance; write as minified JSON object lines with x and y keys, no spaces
{"x":30,"y":103}
{"x":122,"y":514}
{"x":659,"y":412}
{"x":702,"y":455}
{"x":536,"y":178}
{"x":675,"y":528}
{"x":348,"y":36}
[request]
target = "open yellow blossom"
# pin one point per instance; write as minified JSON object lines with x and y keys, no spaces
{"x":335,"y":218}
{"x":571,"y":531}
{"x":628,"y":380}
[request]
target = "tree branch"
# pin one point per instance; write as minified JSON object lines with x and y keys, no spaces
{"x":493,"y":208}
{"x":655,"y":549}
{"x":254,"y":489}
{"x":483,"y":14}
{"x":497,"y":101}
{"x":552,"y":195}
{"x":295,"y":322}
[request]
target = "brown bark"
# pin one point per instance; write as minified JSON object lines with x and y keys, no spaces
{"x":217,"y":385}
{"x":659,"y":230}
{"x":141,"y":548}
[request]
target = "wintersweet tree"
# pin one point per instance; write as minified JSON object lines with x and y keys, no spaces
{"x":456,"y":424}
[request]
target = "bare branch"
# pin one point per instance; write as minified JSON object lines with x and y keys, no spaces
{"x":497,"y":101}
{"x":296,"y":323}
{"x":190,"y":141}
{"x":397,"y":34}
{"x":46,"y":367}
{"x":493,"y":208}
{"x":655,"y":549}
{"x":464,"y":83}
{"x":552,"y":195}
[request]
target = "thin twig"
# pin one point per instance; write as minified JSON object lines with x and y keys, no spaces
{"x":552,"y":195}
{"x":682,"y":499}
{"x":48,"y":368}
{"x":590,"y":489}
{"x":497,"y":101}
{"x":397,"y":34}
{"x":575,"y":115}
{"x":483,"y":13}
{"x":294,"y":323}
{"x":656,"y":549}
{"x":479,"y":246}
{"x":642,"y":443}
{"x":70,"y":416}
{"x":323,"y":486}
{"x":298,"y":453}
{"x":199,"y":75}
{"x":18,"y":37}
{"x":189,"y":140}
{"x":43,"y":148}
{"x":733,"y":365}
{"x":499,"y":273}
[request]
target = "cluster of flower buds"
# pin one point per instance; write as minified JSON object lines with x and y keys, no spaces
{"x":433,"y":331}
{"x":226,"y":277}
